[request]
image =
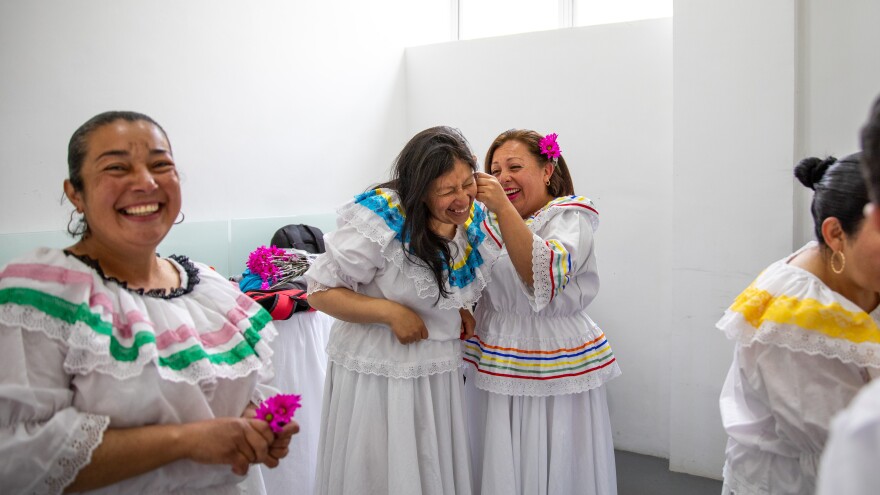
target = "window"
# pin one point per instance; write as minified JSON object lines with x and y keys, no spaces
{"x":484,"y":18}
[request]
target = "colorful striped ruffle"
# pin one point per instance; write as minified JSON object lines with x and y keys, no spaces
{"x":792,"y":308}
{"x":577,"y":202}
{"x":119,"y":333}
{"x":533,"y":364}
{"x":386,"y":206}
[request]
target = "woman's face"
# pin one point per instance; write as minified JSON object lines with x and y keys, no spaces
{"x":862,"y":253}
{"x":521,"y":176}
{"x":449,"y":198}
{"x":131,"y":192}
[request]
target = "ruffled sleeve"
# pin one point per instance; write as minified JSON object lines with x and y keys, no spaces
{"x":563,"y":248}
{"x":370,"y":240}
{"x":351,"y":259}
{"x":790,"y":307}
{"x":44,"y":441}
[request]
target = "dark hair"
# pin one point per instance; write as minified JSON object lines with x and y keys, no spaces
{"x":871,"y":151}
{"x":560,"y":182}
{"x":839,"y":191}
{"x":78,"y":147}
{"x":428,"y":155}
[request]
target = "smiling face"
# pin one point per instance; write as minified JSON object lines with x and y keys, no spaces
{"x":130,"y":193}
{"x":522,"y":176}
{"x":862,"y":253}
{"x":449,"y":199}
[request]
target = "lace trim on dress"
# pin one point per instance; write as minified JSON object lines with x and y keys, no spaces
{"x":368,"y":224}
{"x":325,"y":263}
{"x":391,"y":369}
{"x":192,"y":276}
{"x":542,"y":291}
{"x":794,"y":338}
{"x":88,"y":354}
{"x":538,"y":388}
{"x":80,"y":445}
{"x":314,"y":286}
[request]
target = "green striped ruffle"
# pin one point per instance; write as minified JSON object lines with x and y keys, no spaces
{"x":73,"y":314}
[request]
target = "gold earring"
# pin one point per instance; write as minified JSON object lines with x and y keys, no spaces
{"x":547,"y":183}
{"x":842,"y":262}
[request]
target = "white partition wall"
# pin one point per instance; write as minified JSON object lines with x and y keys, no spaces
{"x":607,"y":92}
{"x":274,"y":108}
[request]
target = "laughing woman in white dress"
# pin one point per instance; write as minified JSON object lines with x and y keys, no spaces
{"x":806,"y":338}
{"x":400,"y":274}
{"x":538,"y":414}
{"x":124,"y":372}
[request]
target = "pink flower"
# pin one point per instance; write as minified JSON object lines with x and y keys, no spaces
{"x":549,"y":146}
{"x":278,"y":410}
{"x":263,"y":262}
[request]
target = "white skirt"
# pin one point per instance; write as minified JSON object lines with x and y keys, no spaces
{"x":300,"y":364}
{"x":559,"y":444}
{"x":383,"y":435}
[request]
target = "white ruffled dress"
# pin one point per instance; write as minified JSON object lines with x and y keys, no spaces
{"x":81,"y":353}
{"x":802,"y":353}
{"x":537,"y":410}
{"x":393,"y":418}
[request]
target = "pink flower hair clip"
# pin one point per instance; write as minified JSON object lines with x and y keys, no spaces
{"x":550,"y":147}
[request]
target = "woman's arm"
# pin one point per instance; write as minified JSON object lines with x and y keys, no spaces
{"x":46,"y":444}
{"x":517,"y":237}
{"x":126,"y":453}
{"x":347,"y":305}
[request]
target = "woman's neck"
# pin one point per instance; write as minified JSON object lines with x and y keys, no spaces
{"x":445,"y":230}
{"x":139,"y":270}
{"x":813,"y":261}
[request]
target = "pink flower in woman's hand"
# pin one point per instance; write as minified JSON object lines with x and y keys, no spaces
{"x":278,"y":410}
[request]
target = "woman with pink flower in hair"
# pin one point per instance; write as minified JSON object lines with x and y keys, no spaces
{"x":538,"y":414}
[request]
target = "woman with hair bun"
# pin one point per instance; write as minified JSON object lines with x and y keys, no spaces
{"x":806,"y":340}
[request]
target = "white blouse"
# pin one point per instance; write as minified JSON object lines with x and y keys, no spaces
{"x":803,"y":352}
{"x":365,"y":254}
{"x":81,"y":353}
{"x":849,"y":462}
{"x":540,"y":341}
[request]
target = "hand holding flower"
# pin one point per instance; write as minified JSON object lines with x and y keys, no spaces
{"x":278,"y":410}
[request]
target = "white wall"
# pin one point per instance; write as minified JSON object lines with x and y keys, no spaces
{"x":607,"y":92}
{"x":262,"y":98}
{"x":733,"y":154}
{"x":838,"y":79}
{"x":274,"y":108}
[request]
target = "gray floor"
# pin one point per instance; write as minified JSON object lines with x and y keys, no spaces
{"x":639,"y":474}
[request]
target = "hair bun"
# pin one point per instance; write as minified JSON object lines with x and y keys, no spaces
{"x":810,"y":170}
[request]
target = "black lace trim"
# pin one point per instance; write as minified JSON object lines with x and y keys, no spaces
{"x":192,"y":277}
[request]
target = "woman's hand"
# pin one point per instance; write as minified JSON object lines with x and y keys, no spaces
{"x":280,"y":447}
{"x":468,"y":324}
{"x":490,"y":192}
{"x":406,"y":324}
{"x":238,"y":442}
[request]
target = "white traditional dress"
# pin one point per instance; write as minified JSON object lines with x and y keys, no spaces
{"x":393,"y":420}
{"x":81,"y":353}
{"x":802,"y":353}
{"x":849,"y":462}
{"x":538,"y":413}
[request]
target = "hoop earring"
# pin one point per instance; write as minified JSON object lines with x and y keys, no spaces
{"x":547,"y":183}
{"x":182,"y":218}
{"x":77,"y":227}
{"x":842,"y":262}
